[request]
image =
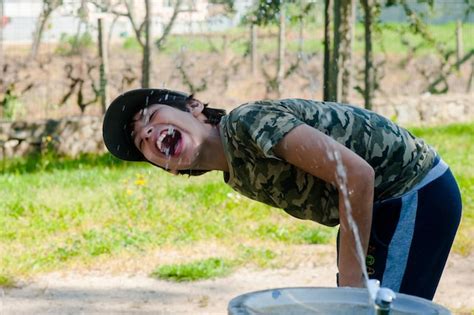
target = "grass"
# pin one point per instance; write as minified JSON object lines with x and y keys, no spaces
{"x":389,"y":40}
{"x":198,"y":270}
{"x":73,"y":211}
{"x":57,"y":212}
{"x":216,"y":267}
{"x":6,"y":281}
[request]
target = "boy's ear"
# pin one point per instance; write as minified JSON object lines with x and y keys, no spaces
{"x":194,"y":106}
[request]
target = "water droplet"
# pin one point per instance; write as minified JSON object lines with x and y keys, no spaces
{"x":145,"y":116}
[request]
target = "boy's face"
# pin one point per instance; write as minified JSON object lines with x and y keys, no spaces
{"x":169,"y":137}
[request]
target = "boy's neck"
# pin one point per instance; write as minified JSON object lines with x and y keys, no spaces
{"x":213,"y":157}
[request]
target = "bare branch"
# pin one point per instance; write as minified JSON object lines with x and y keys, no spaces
{"x":136,"y":28}
{"x":168,"y":26}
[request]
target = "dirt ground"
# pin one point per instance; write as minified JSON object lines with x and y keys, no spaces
{"x":100,"y":292}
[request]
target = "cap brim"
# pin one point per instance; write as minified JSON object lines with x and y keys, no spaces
{"x":115,"y":129}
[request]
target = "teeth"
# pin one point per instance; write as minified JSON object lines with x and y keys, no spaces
{"x":163,"y":135}
{"x":159,"y":142}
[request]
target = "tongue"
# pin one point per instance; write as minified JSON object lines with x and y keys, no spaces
{"x":170,"y":143}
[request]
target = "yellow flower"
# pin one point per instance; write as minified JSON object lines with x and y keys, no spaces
{"x":140,"y":182}
{"x":129,"y":192}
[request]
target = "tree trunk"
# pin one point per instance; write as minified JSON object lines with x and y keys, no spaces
{"x":345,"y":50}
{"x":459,"y":43}
{"x":146,"y":63}
{"x":48,"y":7}
{"x":1,"y":45}
{"x":38,"y":34}
{"x":327,"y":50}
{"x":225,"y":48}
{"x":334,"y":69}
{"x":104,"y":66}
{"x":253,"y":48}
{"x":471,"y":78}
{"x":369,"y":72}
{"x":281,"y":48}
{"x":169,"y":26}
{"x":301,"y":30}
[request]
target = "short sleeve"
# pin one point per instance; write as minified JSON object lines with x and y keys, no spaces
{"x":265,"y":123}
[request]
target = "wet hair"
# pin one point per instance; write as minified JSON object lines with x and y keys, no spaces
{"x":213,"y":117}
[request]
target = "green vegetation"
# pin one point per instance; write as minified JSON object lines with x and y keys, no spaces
{"x":198,"y":270}
{"x":74,"y":44}
{"x":392,"y":34}
{"x":55,"y":212}
{"x":12,"y":107}
{"x":261,"y":257}
{"x":216,"y":267}
{"x":388,"y":40}
{"x":6,"y":281}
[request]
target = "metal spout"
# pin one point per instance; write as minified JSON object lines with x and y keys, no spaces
{"x":383,"y":301}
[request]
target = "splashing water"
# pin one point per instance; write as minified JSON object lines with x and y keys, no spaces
{"x":342,"y":183}
{"x":372,"y":285}
{"x":146,"y":117}
{"x":167,"y":151}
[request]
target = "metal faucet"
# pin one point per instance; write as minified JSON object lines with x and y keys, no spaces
{"x":383,"y":301}
{"x":382,"y":297}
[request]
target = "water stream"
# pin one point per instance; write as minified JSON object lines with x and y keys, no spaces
{"x":371,"y":285}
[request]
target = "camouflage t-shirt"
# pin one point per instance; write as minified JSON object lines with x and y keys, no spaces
{"x":251,"y":131}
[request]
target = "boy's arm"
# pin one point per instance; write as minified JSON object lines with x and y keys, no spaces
{"x":314,"y":152}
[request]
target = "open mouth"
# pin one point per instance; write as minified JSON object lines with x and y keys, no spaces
{"x":168,"y":141}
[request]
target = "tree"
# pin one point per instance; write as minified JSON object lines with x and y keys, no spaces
{"x":369,"y":71}
{"x":338,"y":57}
{"x":436,"y":83}
{"x":146,"y":62}
{"x":281,"y":47}
{"x":253,"y":48}
{"x":2,"y":25}
{"x":346,"y":31}
{"x":327,"y":82}
{"x":142,"y":30}
{"x":272,"y":12}
{"x":104,"y":65}
{"x":48,"y":7}
{"x":143,"y":36}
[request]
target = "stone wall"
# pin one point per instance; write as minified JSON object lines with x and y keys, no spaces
{"x":75,"y":135}
{"x":428,"y":109}
{"x":70,"y":136}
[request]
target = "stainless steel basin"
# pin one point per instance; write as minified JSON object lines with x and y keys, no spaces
{"x":314,"y":300}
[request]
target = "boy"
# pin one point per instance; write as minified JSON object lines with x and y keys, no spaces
{"x":326,"y":162}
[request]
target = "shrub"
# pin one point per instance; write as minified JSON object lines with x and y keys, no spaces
{"x":74,"y":44}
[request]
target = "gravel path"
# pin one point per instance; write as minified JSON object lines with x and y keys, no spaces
{"x":99,"y":293}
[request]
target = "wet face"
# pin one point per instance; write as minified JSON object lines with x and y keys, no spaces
{"x":169,"y":137}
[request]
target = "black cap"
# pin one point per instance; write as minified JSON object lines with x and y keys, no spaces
{"x":116,"y":128}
